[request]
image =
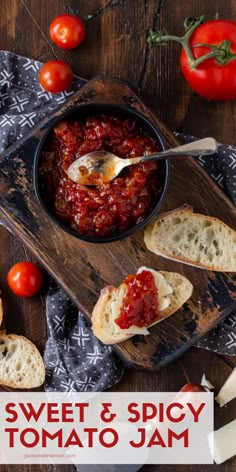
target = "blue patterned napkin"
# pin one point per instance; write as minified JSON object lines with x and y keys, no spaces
{"x":75,"y":360}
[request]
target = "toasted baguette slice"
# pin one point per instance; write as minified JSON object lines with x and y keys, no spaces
{"x":179,"y":290}
{"x":21,"y":365}
{"x":194,"y":239}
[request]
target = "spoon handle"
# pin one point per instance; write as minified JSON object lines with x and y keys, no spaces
{"x":201,"y":147}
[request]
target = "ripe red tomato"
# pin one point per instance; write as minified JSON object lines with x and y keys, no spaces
{"x":211,"y":79}
{"x":25,"y":279}
{"x":55,"y":76}
{"x":193,"y":387}
{"x":67,"y":31}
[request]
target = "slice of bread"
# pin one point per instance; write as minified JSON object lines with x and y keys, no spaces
{"x":199,"y":240}
{"x":21,"y":365}
{"x":178,"y":290}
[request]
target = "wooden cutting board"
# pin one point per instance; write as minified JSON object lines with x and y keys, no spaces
{"x":82,"y":269}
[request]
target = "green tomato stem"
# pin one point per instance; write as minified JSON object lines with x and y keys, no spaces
{"x":221,"y":53}
{"x":196,"y":62}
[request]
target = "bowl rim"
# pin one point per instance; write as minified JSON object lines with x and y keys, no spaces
{"x":50,"y":125}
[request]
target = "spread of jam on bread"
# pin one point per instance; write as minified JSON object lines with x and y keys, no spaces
{"x":140,"y":305}
{"x":113,"y":206}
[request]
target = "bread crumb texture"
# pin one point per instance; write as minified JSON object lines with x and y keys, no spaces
{"x":21,"y":365}
{"x":196,"y":238}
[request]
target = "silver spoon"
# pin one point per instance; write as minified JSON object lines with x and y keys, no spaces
{"x":103,"y":166}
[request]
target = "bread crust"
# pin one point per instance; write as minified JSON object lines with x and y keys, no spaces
{"x":96,"y":319}
{"x":148,"y":239}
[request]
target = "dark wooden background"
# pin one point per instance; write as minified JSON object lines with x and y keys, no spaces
{"x":115,"y":45}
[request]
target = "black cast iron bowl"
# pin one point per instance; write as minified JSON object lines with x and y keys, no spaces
{"x":82,"y":111}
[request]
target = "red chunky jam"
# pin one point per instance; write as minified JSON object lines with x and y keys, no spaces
{"x":114,"y":206}
{"x":140,"y":305}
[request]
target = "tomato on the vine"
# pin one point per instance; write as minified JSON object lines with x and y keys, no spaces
{"x":208,"y":56}
{"x":67,"y":31}
{"x":25,"y":279}
{"x":55,"y":76}
{"x":211,"y":79}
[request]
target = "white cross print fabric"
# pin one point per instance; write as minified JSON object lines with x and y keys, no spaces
{"x":76,"y":361}
{"x":23,"y":102}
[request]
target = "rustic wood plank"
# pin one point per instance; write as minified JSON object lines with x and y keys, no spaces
{"x":80,"y":57}
{"x":37,"y":468}
{"x":18,"y":32}
{"x":214,"y":294}
{"x":179,"y":107}
{"x":166,"y":92}
{"x":21,"y":316}
{"x":115,"y":35}
{"x":124,"y":54}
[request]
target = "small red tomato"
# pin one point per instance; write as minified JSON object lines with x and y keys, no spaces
{"x":25,"y":279}
{"x":55,"y":76}
{"x":193,"y":387}
{"x":67,"y":31}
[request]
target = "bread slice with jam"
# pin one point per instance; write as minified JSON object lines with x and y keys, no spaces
{"x":173,"y":290}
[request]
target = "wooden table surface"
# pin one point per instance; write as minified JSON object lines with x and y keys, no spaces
{"x":115,"y":45}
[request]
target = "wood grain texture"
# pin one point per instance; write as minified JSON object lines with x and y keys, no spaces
{"x":74,"y":263}
{"x":164,"y":88}
{"x":20,"y":315}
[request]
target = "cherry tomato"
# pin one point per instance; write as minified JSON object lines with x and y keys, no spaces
{"x":25,"y":279}
{"x":193,"y":387}
{"x":55,"y":76}
{"x":67,"y":31}
{"x":210,"y":79}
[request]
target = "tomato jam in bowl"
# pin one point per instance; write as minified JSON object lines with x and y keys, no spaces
{"x":112,"y":210}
